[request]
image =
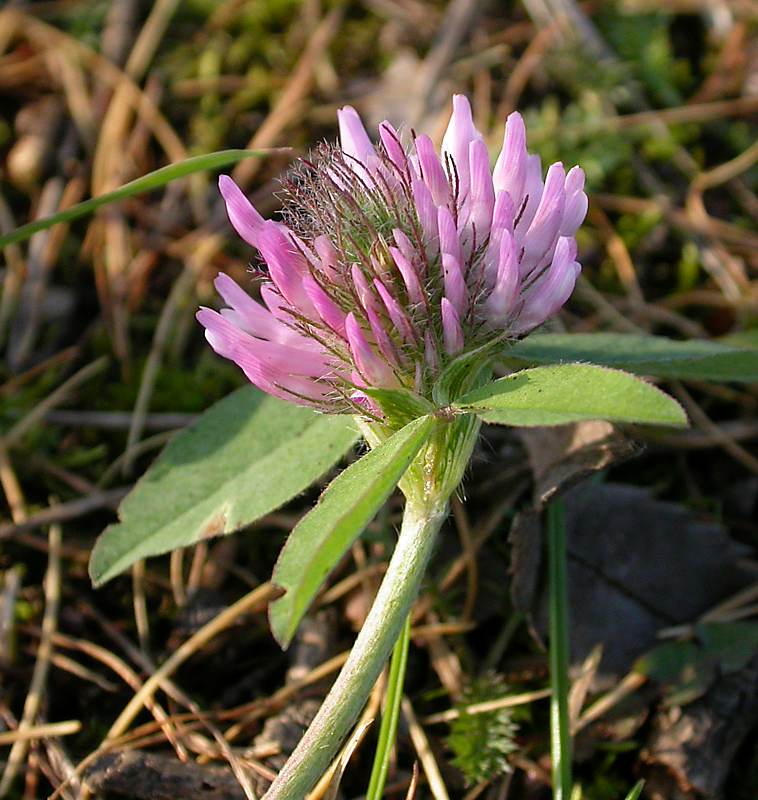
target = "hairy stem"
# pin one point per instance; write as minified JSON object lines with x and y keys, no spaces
{"x":348,"y":695}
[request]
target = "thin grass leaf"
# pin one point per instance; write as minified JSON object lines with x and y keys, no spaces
{"x":391,"y":715}
{"x":636,"y":790}
{"x":560,"y":736}
{"x":153,"y":180}
{"x":695,"y":359}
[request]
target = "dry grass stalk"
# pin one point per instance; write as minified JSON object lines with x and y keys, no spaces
{"x":33,"y":702}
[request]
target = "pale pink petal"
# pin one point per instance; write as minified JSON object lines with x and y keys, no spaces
{"x":450,"y":242}
{"x":381,"y":337}
{"x":395,"y":311}
{"x":426,"y":211}
{"x":229,"y":341}
{"x":244,"y":218}
{"x":410,"y":250}
{"x":527,"y":204}
{"x":503,"y":297}
{"x":454,"y":282}
{"x":482,"y":194}
{"x":366,"y":297}
{"x":287,"y":266}
{"x":459,"y":134}
{"x":234,"y":344}
{"x":576,"y":202}
{"x":431,"y":170}
{"x":409,"y":275}
{"x":327,"y":309}
{"x":374,"y":369}
{"x":510,"y":168}
{"x":258,"y":320}
{"x":452,"y":261}
{"x":550,"y":291}
{"x":327,"y":257}
{"x":391,"y":141}
{"x":502,"y":222}
{"x":541,"y":237}
{"x":354,"y":140}
{"x":452,"y":332}
{"x":254,"y":317}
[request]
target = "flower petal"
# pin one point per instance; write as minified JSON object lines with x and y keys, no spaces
{"x":510,"y":168}
{"x":527,"y":204}
{"x":502,"y":299}
{"x":540,"y":239}
{"x":551,"y":290}
{"x":409,"y":275}
{"x":431,"y":170}
{"x":502,"y":223}
{"x":426,"y":211}
{"x":390,"y":140}
{"x":576,"y":202}
{"x":452,"y":261}
{"x":230,"y":341}
{"x":287,"y":266}
{"x":452,"y":332}
{"x":482,"y":195}
{"x":459,"y":134}
{"x":354,"y":140}
{"x":395,"y":311}
{"x":327,"y":309}
{"x":244,"y":218}
{"x":373,"y":369}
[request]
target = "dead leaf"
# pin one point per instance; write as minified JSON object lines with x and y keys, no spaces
{"x":561,"y":456}
{"x":690,"y":750}
{"x":636,"y":564}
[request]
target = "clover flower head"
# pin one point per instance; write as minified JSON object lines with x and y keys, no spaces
{"x":390,"y":262}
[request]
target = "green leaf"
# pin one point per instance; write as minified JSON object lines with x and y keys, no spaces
{"x":733,"y":644}
{"x":636,"y":790}
{"x":243,"y":458}
{"x":153,"y":180}
{"x":696,"y":359}
{"x":687,"y":668}
{"x":571,"y":393}
{"x":347,"y":505}
{"x":744,"y":340}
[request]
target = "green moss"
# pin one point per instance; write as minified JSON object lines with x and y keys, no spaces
{"x":481,"y":743}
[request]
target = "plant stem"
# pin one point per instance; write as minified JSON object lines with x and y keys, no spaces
{"x":560,"y":736}
{"x":391,"y":714}
{"x":348,"y":695}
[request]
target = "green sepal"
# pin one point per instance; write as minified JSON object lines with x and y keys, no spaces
{"x":400,"y":406}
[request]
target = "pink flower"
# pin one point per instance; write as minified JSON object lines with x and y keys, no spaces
{"x":391,"y":263}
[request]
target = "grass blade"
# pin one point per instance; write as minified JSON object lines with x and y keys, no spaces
{"x":153,"y":180}
{"x":391,"y":714}
{"x":636,"y":791}
{"x":560,"y":738}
